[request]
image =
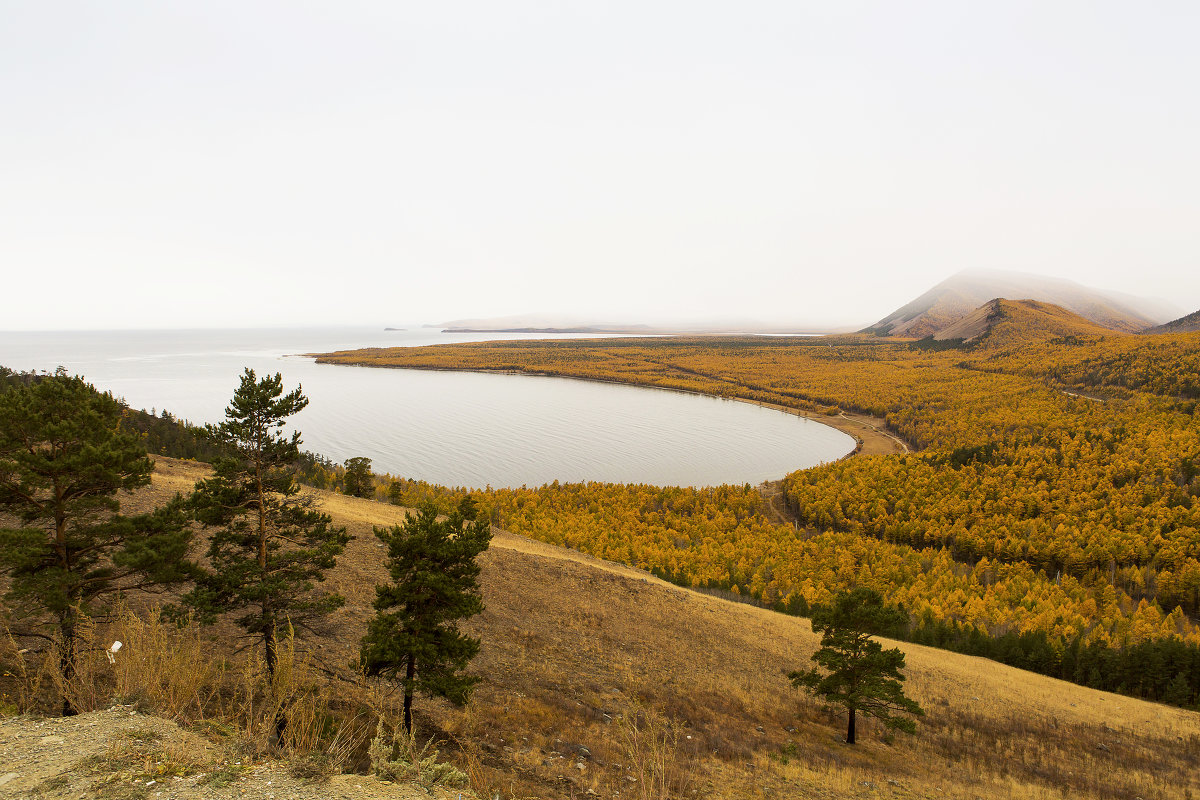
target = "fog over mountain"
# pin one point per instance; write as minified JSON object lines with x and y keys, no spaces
{"x":1185,"y":324}
{"x":964,"y":292}
{"x":946,"y":303}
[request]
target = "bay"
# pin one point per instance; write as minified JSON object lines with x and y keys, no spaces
{"x":450,"y":428}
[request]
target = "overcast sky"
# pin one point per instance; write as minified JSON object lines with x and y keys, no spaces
{"x":261,"y":163}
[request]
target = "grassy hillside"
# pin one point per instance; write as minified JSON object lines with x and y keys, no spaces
{"x":595,"y":674}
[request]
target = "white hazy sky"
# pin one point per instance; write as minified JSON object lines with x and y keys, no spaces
{"x":243,"y":163}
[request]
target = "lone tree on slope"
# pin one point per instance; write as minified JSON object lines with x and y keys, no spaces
{"x":858,"y":673}
{"x":358,"y":481}
{"x":63,"y":458}
{"x":414,"y":635}
{"x":271,"y":545}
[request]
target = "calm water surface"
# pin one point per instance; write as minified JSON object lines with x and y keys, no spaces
{"x":456,"y":429}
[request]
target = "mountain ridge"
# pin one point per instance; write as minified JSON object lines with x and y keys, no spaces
{"x":961,"y":294}
{"x":1185,"y":324}
{"x":1001,"y":321}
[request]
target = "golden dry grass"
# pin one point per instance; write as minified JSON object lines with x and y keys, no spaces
{"x":578,"y":652}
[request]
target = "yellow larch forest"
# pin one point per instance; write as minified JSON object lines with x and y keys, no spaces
{"x":1052,"y":488}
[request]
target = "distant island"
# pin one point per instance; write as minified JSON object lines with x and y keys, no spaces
{"x":395,"y":329}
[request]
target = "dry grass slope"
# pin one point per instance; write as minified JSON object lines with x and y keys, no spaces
{"x":601,"y":680}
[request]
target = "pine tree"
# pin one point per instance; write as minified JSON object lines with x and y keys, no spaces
{"x":862,"y":676}
{"x":414,"y":635}
{"x":358,"y":481}
{"x":271,"y":545}
{"x":1178,"y":691}
{"x":63,"y":457}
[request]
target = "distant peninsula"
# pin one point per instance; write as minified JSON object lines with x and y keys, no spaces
{"x":579,"y":329}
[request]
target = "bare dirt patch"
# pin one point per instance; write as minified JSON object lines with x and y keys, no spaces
{"x":120,"y":754}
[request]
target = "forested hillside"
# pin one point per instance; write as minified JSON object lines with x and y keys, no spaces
{"x":1052,"y":504}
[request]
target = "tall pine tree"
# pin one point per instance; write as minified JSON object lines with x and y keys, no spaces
{"x":271,"y":545}
{"x":858,"y":673}
{"x":414,"y":635}
{"x":64,"y":455}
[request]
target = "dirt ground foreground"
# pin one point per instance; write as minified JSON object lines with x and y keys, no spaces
{"x":120,"y":753}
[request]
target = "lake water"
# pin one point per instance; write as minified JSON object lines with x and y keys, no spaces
{"x":451,"y":428}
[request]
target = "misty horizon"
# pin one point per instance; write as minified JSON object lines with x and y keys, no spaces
{"x":801,"y":164}
{"x":678,"y":323}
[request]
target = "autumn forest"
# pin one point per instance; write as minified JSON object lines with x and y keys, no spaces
{"x":1045,"y":513}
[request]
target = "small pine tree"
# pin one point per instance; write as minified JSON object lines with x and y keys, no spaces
{"x":862,"y":676}
{"x":270,"y":545}
{"x":63,"y":457}
{"x":358,"y":481}
{"x":414,"y":635}
{"x":1178,"y":691}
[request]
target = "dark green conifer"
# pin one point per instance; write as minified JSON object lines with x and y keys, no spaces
{"x":862,"y":676}
{"x":1178,"y":691}
{"x":414,"y":635}
{"x":63,"y":457}
{"x":271,"y":545}
{"x":358,"y":481}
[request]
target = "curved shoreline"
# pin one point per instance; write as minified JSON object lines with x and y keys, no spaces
{"x":866,"y":430}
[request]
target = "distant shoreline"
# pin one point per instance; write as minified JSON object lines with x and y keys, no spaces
{"x":584,"y":329}
{"x":636,"y":330}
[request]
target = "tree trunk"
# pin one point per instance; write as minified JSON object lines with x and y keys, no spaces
{"x":67,"y":663}
{"x":850,"y":730}
{"x":271,"y":648}
{"x":280,"y":727}
{"x":408,"y":693}
{"x":66,"y":622}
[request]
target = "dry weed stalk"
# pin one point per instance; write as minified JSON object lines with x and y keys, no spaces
{"x":320,"y":740}
{"x":327,"y":724}
{"x":651,"y":747}
{"x":26,"y":673}
{"x":258,"y":699}
{"x":168,"y":667}
{"x":90,"y":685}
{"x":175,"y":671}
